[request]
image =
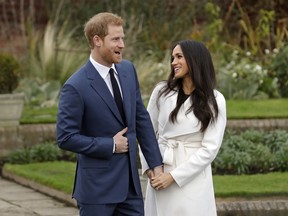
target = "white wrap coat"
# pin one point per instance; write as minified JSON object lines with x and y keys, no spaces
{"x":187,"y":154}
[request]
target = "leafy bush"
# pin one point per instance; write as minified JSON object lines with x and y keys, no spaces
{"x":248,"y":152}
{"x":9,"y":74}
{"x":39,"y":94}
{"x":50,"y":61}
{"x":43,"y":152}
{"x":50,"y":55}
{"x":20,"y":156}
{"x":280,"y":67}
{"x":68,"y":156}
{"x":150,"y":72}
{"x":251,"y":152}
{"x":232,"y":156}
{"x":278,"y":143}
{"x":243,"y":77}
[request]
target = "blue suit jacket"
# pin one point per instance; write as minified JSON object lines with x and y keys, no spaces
{"x":88,"y":119}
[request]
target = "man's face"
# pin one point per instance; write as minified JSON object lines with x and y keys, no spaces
{"x":112,"y":46}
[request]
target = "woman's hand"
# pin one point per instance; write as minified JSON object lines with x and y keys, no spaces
{"x":161,"y":181}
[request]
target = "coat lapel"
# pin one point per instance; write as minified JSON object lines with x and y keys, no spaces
{"x":99,"y":85}
{"x":186,"y":123}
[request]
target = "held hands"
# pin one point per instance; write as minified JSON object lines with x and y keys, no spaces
{"x":156,"y":171}
{"x":121,"y":142}
{"x":161,"y":181}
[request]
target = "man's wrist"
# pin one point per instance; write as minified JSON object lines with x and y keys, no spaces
{"x":149,"y":173}
{"x":158,"y":167}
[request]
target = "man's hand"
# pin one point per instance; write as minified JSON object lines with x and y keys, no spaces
{"x":153,"y":172}
{"x":149,"y":173}
{"x":121,"y":142}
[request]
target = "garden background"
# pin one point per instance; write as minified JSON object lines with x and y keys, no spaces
{"x":247,"y":40}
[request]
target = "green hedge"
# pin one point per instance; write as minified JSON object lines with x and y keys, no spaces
{"x":42,"y":152}
{"x":247,"y":152}
{"x":252,"y":151}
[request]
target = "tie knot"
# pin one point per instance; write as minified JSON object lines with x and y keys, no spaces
{"x":111,"y":71}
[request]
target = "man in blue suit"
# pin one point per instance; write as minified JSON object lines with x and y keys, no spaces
{"x":90,"y":124}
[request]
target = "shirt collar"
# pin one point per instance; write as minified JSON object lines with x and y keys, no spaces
{"x":102,"y":69}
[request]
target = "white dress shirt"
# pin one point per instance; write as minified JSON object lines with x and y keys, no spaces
{"x":104,"y":73}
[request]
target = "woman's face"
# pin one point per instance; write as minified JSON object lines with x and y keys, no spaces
{"x":179,"y":63}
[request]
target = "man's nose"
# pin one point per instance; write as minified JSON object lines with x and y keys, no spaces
{"x":121,"y":43}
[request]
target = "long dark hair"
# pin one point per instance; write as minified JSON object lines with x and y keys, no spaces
{"x":201,"y":70}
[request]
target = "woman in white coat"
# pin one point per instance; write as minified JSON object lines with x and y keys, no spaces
{"x":189,"y":118}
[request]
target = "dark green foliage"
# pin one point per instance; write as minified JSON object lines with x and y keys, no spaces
{"x":150,"y":26}
{"x":278,"y":143}
{"x":9,"y":76}
{"x":47,"y":151}
{"x":247,"y":152}
{"x":68,"y":156}
{"x":280,"y":67}
{"x":232,"y":156}
{"x":20,"y":156}
{"x":252,"y":152}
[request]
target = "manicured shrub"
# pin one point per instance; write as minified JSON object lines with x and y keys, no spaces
{"x":279,"y":66}
{"x":252,"y":151}
{"x":20,"y":156}
{"x":279,"y":146}
{"x":248,"y":152}
{"x":232,"y":157}
{"x":47,"y":151}
{"x":9,"y":74}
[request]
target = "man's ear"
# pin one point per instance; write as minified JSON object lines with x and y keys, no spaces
{"x":97,"y":41}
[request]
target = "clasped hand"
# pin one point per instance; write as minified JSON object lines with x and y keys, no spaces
{"x":121,"y":142}
{"x":159,"y":179}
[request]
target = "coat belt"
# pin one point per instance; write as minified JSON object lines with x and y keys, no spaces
{"x":177,"y":148}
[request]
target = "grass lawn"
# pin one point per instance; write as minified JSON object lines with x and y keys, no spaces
{"x":236,"y":109}
{"x":261,"y":109}
{"x":60,"y":175}
{"x":31,"y":115}
{"x":270,"y":184}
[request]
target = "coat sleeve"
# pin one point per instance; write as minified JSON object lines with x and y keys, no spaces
{"x":153,"y":110}
{"x":210,"y":146}
{"x":68,"y":127}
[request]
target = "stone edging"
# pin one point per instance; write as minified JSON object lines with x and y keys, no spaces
{"x":250,"y":208}
{"x":262,"y":124}
{"x":30,"y":134}
{"x":224,"y":206}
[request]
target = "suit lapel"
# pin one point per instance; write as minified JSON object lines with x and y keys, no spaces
{"x":99,"y":85}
